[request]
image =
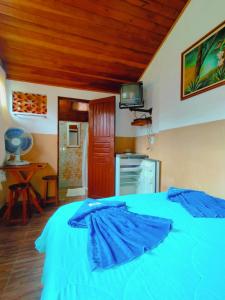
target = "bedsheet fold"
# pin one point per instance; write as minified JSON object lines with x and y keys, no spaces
{"x":115,"y":235}
{"x":197,"y":203}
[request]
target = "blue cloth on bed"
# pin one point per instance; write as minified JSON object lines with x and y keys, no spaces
{"x":117,"y":236}
{"x":197,"y":203}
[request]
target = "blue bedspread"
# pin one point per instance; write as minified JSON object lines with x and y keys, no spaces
{"x":115,"y":235}
{"x":188,"y":265}
{"x":197,"y":203}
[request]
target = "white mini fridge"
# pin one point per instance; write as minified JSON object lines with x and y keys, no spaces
{"x":136,"y":174}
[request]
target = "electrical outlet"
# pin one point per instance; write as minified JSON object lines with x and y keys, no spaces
{"x":2,"y":176}
{"x":152,"y":140}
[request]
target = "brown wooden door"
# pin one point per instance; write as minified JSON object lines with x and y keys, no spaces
{"x":101,"y":173}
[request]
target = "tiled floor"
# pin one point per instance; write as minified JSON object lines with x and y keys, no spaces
{"x":63,"y":193}
{"x":20,"y":263}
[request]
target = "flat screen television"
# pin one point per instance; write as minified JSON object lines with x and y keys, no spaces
{"x":131,"y":95}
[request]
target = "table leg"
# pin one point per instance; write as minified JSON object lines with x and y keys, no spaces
{"x":34,"y":199}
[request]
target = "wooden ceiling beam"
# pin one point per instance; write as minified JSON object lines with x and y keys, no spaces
{"x":19,"y":27}
{"x":80,"y":27}
{"x":31,"y":70}
{"x":35,"y":39}
{"x":169,"y":9}
{"x":123,"y":10}
{"x":17,"y":57}
{"x":51,"y":77}
{"x":156,"y":7}
{"x":102,"y":14}
{"x":12,"y":49}
{"x":38,"y":79}
{"x":178,"y":4}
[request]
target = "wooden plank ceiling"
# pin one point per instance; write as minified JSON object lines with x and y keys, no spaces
{"x":85,"y":44}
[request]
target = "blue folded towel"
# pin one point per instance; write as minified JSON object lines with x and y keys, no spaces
{"x":115,"y":235}
{"x":197,"y":203}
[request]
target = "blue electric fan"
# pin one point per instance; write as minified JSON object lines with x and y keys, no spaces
{"x":17,"y":143}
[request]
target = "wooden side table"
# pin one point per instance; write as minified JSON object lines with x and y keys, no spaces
{"x":24,"y":174}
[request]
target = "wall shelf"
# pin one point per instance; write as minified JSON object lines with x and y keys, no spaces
{"x":142,"y":121}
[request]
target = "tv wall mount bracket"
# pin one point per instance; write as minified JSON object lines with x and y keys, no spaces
{"x":141,"y":110}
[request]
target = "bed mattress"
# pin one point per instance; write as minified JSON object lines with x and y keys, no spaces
{"x":189,"y":264}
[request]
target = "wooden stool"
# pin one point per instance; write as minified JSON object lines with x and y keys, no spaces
{"x":50,"y":199}
{"x":15,"y":191}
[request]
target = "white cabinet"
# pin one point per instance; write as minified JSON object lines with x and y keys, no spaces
{"x":136,"y":174}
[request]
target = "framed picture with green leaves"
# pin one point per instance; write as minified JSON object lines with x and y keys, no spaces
{"x":203,"y":64}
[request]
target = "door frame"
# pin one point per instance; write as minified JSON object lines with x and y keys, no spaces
{"x":58,"y":101}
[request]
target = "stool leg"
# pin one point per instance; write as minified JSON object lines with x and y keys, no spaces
{"x":11,"y":204}
{"x":5,"y":215}
{"x":16,"y":196}
{"x":56,"y":192}
{"x":24,"y":207}
{"x":8,"y":210}
{"x":29,"y":206}
{"x":45,"y":192}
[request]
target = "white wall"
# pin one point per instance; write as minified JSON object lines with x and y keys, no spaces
{"x":162,"y":77}
{"x":49,"y":125}
{"x":4,"y":116}
{"x":4,"y":123}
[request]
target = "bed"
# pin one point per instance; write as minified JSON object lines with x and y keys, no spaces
{"x":188,"y":265}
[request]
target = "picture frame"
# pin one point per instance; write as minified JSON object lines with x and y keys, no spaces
{"x":203,"y":64}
